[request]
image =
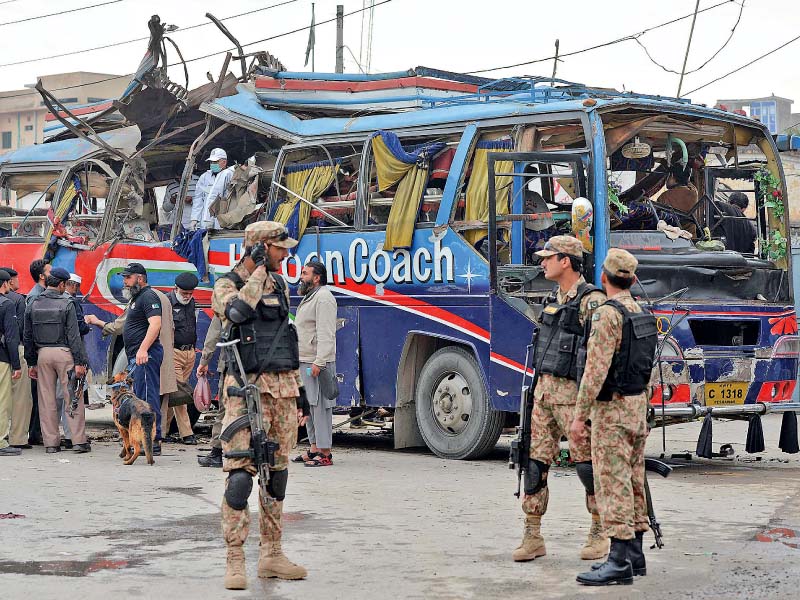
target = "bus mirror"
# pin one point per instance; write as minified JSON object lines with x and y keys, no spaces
{"x":582,"y":221}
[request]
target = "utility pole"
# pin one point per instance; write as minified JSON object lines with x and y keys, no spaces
{"x":555,"y":61}
{"x":340,"y":38}
{"x":688,"y":45}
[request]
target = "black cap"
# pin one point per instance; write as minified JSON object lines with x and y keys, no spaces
{"x":187,"y":281}
{"x":134,"y":269}
{"x":60,"y":273}
{"x":10,"y":271}
{"x":4,"y":276}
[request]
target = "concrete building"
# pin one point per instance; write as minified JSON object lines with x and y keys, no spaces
{"x":22,"y":112}
{"x":775,"y":112}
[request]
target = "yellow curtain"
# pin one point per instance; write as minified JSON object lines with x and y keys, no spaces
{"x":309,"y":183}
{"x":477,"y":207}
{"x":61,"y":210}
{"x":412,"y":178}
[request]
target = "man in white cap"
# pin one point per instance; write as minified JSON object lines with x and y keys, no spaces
{"x":217,"y":190}
{"x":218,"y":161}
{"x":71,"y":291}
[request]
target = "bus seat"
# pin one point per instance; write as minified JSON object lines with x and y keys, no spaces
{"x":440,"y":167}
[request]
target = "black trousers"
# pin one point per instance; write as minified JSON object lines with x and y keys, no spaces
{"x":35,"y":428}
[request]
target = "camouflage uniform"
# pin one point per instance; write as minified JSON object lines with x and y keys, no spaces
{"x":551,"y":417}
{"x":553,"y":411}
{"x":279,"y":392}
{"x":618,"y":429}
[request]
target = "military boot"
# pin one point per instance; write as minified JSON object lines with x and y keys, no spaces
{"x":235,"y":572}
{"x":635,"y":555}
{"x":532,"y":545}
{"x":272,"y":562}
{"x":616,"y":570}
{"x":597,"y":543}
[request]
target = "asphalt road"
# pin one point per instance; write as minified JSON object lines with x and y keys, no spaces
{"x":386,"y":524}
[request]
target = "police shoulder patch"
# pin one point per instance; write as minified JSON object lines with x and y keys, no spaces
{"x":156,"y":305}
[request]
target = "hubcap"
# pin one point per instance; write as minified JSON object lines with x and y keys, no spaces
{"x":451,"y":403}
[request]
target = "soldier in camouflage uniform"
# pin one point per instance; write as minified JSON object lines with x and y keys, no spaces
{"x":281,"y":415}
{"x":554,"y":399}
{"x":618,"y":425}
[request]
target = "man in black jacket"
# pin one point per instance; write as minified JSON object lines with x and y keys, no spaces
{"x":739,"y":231}
{"x":184,"y":315}
{"x":50,"y":328}
{"x":9,"y":362}
{"x":21,"y":399}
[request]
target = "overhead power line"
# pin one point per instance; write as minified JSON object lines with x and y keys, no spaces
{"x":626,"y":38}
{"x":196,"y":58}
{"x":713,"y":56}
{"x":737,"y":69}
{"x":141,"y":39}
{"x":284,"y":34}
{"x":63,"y":12}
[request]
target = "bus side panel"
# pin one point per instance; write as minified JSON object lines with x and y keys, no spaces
{"x":348,"y":356}
{"x":511,"y":333}
{"x":383,"y":331}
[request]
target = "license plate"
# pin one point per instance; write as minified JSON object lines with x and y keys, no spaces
{"x":725,"y":394}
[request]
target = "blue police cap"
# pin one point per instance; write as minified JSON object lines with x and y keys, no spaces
{"x":60,"y":273}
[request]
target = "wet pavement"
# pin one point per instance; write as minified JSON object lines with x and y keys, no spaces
{"x":387,"y":524}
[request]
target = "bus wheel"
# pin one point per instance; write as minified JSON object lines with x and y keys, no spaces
{"x":454,"y":411}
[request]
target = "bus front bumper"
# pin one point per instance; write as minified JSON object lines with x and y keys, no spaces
{"x":692,"y":411}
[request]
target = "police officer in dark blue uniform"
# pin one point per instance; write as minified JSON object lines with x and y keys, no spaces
{"x":140,"y":335}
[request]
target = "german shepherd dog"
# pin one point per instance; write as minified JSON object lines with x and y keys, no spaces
{"x":134,"y":420}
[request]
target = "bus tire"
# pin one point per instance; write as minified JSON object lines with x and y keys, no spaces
{"x":453,"y":408}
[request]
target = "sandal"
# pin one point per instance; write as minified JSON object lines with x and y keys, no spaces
{"x":299,"y":458}
{"x":321,"y":461}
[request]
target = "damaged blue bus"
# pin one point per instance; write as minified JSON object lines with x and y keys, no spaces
{"x":428,"y":217}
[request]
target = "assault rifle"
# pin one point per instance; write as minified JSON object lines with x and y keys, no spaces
{"x":520,"y":446}
{"x":75,"y":386}
{"x":262,"y":451}
{"x":663,"y":469}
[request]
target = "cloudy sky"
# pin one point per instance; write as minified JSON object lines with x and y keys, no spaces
{"x":459,"y":35}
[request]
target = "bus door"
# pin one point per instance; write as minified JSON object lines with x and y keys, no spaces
{"x":531,"y":199}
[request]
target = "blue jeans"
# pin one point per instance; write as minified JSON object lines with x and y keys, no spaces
{"x":147,"y":383}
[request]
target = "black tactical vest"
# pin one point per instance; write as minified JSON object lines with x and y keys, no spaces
{"x":47,"y":317}
{"x":185,"y":318}
{"x":561,"y":335}
{"x":631,"y":367}
{"x":268,"y":342}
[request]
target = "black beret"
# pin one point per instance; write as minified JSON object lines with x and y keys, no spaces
{"x":4,"y":276}
{"x":60,"y":273}
{"x":10,"y":271}
{"x":187,"y":281}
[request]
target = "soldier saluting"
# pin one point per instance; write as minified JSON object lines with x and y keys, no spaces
{"x":254,"y":301}
{"x":612,"y":398}
{"x":565,"y":313}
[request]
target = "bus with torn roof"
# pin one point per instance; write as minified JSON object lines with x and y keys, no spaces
{"x":428,"y":218}
{"x":426,"y":194}
{"x":90,"y":198}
